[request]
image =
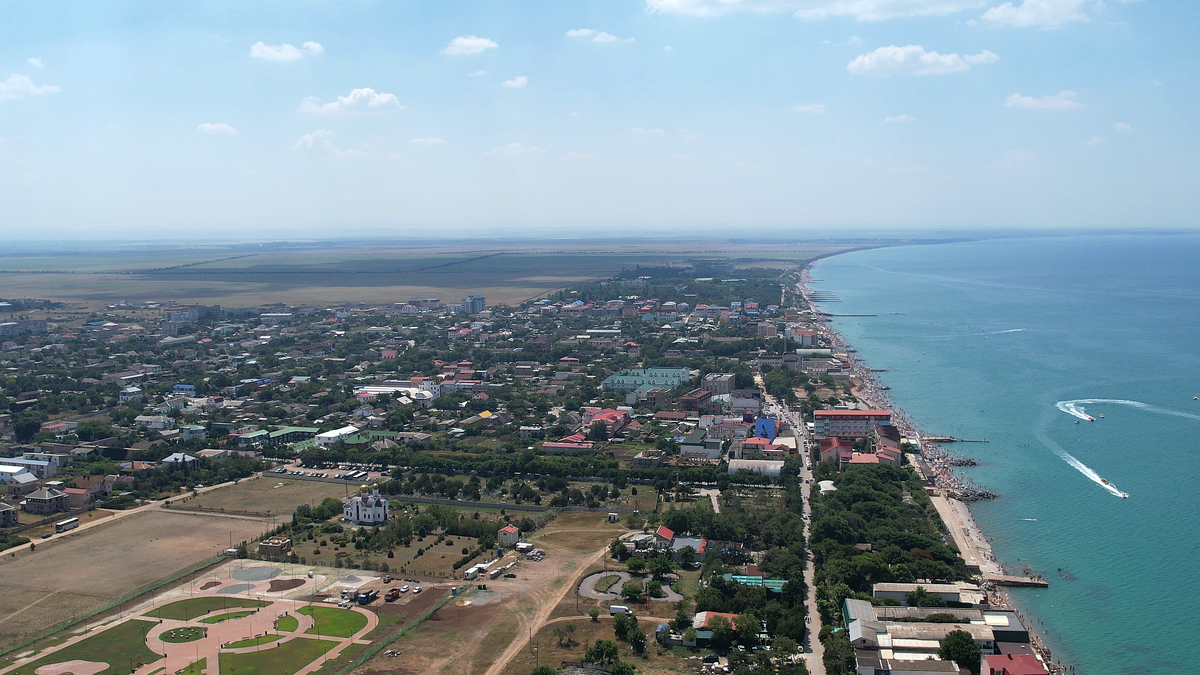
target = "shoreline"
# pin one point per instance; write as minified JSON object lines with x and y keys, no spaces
{"x":973,"y":545}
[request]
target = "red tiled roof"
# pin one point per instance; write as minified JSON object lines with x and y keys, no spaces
{"x":665,"y":532}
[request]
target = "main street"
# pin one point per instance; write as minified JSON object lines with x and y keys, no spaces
{"x":814,"y":651}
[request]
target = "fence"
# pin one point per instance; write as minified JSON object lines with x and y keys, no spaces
{"x":132,"y":595}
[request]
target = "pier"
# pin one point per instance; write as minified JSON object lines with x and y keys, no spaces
{"x":951,"y":439}
{"x":1010,"y":580}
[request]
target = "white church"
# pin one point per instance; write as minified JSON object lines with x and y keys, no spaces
{"x":366,"y":508}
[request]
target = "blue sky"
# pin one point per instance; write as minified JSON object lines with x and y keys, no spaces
{"x":314,"y":119}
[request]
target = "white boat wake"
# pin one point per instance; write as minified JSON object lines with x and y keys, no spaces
{"x":1076,"y":408}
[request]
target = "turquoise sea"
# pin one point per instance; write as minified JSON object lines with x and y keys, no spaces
{"x":996,"y":339}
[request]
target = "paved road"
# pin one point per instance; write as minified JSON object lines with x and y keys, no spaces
{"x":587,"y":587}
{"x":814,"y":651}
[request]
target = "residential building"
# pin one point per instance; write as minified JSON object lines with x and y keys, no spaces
{"x":154,"y":421}
{"x":474,"y":304}
{"x":275,"y":545}
{"x":40,"y":468}
{"x":329,"y":438}
{"x":849,"y":423}
{"x":289,"y":435}
{"x":744,"y":401}
{"x":960,"y":592}
{"x":180,"y":460}
{"x":834,"y":449}
{"x":647,"y":459}
{"x":45,"y":501}
{"x":77,"y":498}
{"x":8,"y":515}
{"x":188,"y":432}
{"x":130,"y":394}
{"x":614,"y":421}
{"x":632,"y":378}
{"x":765,"y":467}
{"x":719,"y":383}
{"x":695,"y":400}
{"x":508,"y":536}
{"x":366,"y":507}
{"x":697,"y":445}
{"x":1013,"y":664}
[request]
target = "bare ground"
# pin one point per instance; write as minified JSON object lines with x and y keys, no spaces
{"x":72,"y":574}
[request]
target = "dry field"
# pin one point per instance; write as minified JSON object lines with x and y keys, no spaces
{"x":260,"y":495}
{"x":71,"y":574}
{"x":473,"y":636}
{"x":504,"y":271}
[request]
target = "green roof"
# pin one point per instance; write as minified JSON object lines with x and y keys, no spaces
{"x":256,"y":434}
{"x":295,"y":430}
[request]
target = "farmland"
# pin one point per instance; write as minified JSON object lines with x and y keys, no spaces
{"x":327,"y":273}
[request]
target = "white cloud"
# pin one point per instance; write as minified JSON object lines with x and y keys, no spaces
{"x":811,"y":108}
{"x":514,"y":150}
{"x":1036,"y":13}
{"x":20,"y":86}
{"x":365,"y":100}
{"x":899,"y":119}
{"x":1096,"y":140}
{"x":863,"y":10}
{"x":1061,"y":101}
{"x":477,"y":73}
{"x":1122,"y":127}
{"x":284,"y":52}
{"x":35,"y":62}
{"x":432,"y":140}
{"x":309,"y":141}
{"x":216,"y":128}
{"x":597,"y":36}
{"x":914,"y":60}
{"x":517,"y":82}
{"x":468,"y":45}
{"x":668,"y":48}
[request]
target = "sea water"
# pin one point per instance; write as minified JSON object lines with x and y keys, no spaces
{"x":1017,"y":341}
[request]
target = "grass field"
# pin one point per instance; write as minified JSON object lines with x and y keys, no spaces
{"x":122,"y":647}
{"x":225,"y":617}
{"x":191,"y":608}
{"x":260,"y":495}
{"x":196,"y":668}
{"x":333,"y":272}
{"x":287,"y":624}
{"x":68,"y":576}
{"x":254,"y":642}
{"x":184,"y":634}
{"x":334,"y":622}
{"x":283,"y":659}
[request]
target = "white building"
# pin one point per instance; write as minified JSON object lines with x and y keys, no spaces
{"x":366,"y":508}
{"x":329,"y":438}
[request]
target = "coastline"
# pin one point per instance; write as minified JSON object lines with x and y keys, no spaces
{"x":936,"y":465}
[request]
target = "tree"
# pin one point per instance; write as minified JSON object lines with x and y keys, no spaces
{"x":961,"y":648}
{"x":543,"y":670}
{"x":636,"y":565}
{"x":661,"y":566}
{"x":598,"y":431}
{"x":622,"y":668}
{"x":26,"y":427}
{"x":616,"y":549}
{"x":723,"y":633}
{"x":633,"y":590}
{"x":637,"y":640}
{"x":919,"y":597}
{"x":601,"y":651}
{"x":595,"y":614}
{"x":623,"y":625}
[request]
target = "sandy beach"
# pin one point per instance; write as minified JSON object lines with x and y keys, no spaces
{"x":936,"y":466}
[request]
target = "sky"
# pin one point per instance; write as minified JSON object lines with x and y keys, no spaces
{"x":310,"y":119}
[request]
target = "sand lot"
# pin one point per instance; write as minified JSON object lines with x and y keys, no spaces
{"x":71,"y":574}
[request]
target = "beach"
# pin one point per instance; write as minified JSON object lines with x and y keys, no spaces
{"x":936,"y":466}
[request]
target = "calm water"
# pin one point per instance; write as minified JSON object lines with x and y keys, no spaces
{"x":1066,"y":319}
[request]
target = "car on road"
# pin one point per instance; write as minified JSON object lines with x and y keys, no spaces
{"x":47,"y":535}
{"x":404,"y":589}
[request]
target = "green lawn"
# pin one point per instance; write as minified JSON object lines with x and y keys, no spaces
{"x":283,"y":659}
{"x":254,"y":642}
{"x":225,"y":617}
{"x":333,"y":621}
{"x":184,"y":634}
{"x":287,"y":623}
{"x":196,"y":668}
{"x":605,"y":583}
{"x":194,"y":607}
{"x":120,"y":647}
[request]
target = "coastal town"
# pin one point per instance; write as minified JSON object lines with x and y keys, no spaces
{"x":689,"y":450}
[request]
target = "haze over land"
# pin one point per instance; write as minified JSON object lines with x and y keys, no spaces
{"x":587,"y":119}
